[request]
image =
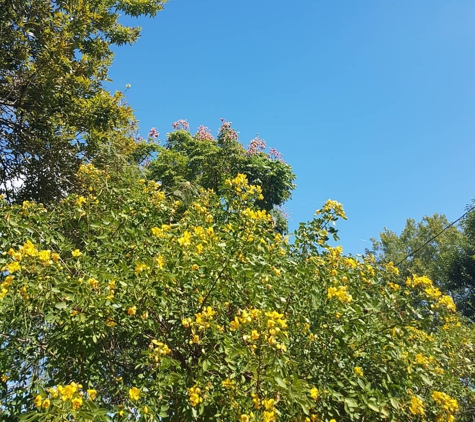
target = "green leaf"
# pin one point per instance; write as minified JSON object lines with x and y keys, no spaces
{"x":61,"y":305}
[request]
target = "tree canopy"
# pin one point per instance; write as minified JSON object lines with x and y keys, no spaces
{"x":54,"y":108}
{"x":448,"y":259}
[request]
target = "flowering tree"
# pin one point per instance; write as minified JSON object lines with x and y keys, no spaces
{"x":119,"y":303}
{"x":200,"y":160}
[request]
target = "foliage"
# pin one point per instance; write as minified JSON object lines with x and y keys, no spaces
{"x":188,"y":162}
{"x":461,"y":267}
{"x":54,"y":109}
{"x":448,"y":259}
{"x":119,"y":304}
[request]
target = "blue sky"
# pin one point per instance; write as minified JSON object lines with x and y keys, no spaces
{"x":371,"y":102}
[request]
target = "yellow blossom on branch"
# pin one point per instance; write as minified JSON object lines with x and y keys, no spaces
{"x":134,"y":393}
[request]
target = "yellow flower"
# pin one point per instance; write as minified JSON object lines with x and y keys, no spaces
{"x":314,"y":393}
{"x":186,"y":239}
{"x":46,"y":403}
{"x":417,"y":406}
{"x":447,"y":302}
{"x":445,"y":401}
{"x":159,"y":261}
{"x":12,"y":267}
{"x":53,"y":391}
{"x":93,"y":283}
{"x":358,"y":371}
{"x":37,"y":401}
{"x":227,"y":383}
{"x":234,"y":325}
{"x":92,"y":394}
{"x":244,"y":418}
{"x":81,"y":200}
{"x":45,"y":255}
{"x":194,"y":396}
{"x":134,"y":393}
{"x":131,"y":311}
{"x":76,"y":402}
{"x":76,"y":253}
{"x":140,"y":267}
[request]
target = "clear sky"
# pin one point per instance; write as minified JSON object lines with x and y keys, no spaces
{"x":371,"y":101}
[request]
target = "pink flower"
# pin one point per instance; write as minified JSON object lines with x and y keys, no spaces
{"x":256,"y":145}
{"x":226,"y":131}
{"x":276,"y":154}
{"x":153,"y":133}
{"x":181,"y":124}
{"x":204,"y":134}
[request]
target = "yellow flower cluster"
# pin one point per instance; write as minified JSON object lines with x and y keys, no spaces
{"x":185,"y":240}
{"x":6,"y":285}
{"x":241,"y":187}
{"x":257,"y":215}
{"x":271,"y":325}
{"x":159,"y":350}
{"x":423,"y":282}
{"x":423,"y":360}
{"x":141,"y":267}
{"x":194,"y":396}
{"x":269,"y":412}
{"x":434,"y":293}
{"x":229,"y":384}
{"x":332,"y":207}
{"x":341,"y":293}
{"x":390,"y":268}
{"x":29,"y":250}
{"x":65,"y":393}
{"x":199,"y":324}
{"x":90,"y":176}
{"x":358,"y":371}
{"x":162,"y":231}
{"x":448,"y":406}
{"x":451,"y":321}
{"x":25,"y":252}
{"x":417,"y":406}
{"x":447,"y":302}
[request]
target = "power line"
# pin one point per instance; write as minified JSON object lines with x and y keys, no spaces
{"x":435,"y":236}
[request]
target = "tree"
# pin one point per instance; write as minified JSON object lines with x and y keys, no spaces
{"x":116,"y":305}
{"x":447,"y":258}
{"x":54,"y":108}
{"x":461,"y":266}
{"x":187,"y":162}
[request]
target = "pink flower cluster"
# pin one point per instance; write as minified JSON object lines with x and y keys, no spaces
{"x":154,"y":133}
{"x":226,"y":131}
{"x":256,"y":145}
{"x":181,"y":124}
{"x":204,"y":134}
{"x":276,"y":155}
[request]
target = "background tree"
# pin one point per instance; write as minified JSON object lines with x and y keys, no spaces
{"x":461,"y":267}
{"x":54,"y":108}
{"x":187,"y":162}
{"x":448,"y":259}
